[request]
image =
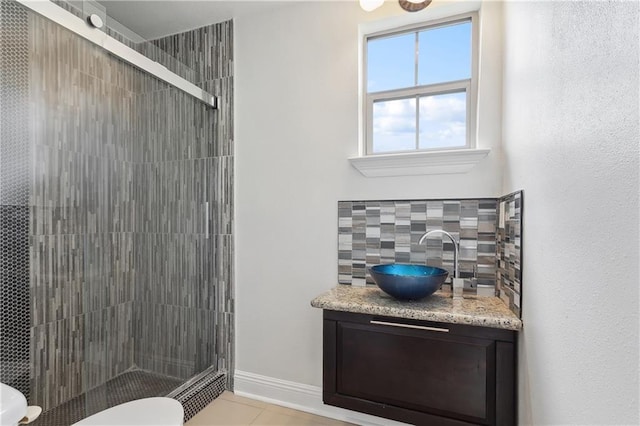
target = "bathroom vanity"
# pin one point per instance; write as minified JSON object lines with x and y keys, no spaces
{"x":437,"y":361}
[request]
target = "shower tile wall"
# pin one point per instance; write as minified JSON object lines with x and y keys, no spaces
{"x":14,"y":197}
{"x":116,"y":168}
{"x":81,"y":200}
{"x":185,"y":156}
{"x":372,"y":232}
{"x":208,"y":51}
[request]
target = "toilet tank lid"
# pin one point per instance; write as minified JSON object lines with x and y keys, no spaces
{"x":13,"y":405}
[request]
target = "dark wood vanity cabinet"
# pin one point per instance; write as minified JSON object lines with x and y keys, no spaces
{"x":419,"y":372}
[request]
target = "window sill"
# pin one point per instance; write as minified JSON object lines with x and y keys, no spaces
{"x":419,"y":163}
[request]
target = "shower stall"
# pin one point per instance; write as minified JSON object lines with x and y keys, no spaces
{"x":116,"y":208}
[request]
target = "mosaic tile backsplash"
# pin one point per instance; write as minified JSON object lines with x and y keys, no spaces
{"x":509,"y":240}
{"x":374,"y":232}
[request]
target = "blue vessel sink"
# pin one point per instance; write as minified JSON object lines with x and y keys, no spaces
{"x":408,"y":282}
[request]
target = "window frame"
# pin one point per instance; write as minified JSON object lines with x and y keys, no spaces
{"x":470,"y":85}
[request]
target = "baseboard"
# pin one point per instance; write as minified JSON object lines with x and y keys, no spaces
{"x":300,"y":397}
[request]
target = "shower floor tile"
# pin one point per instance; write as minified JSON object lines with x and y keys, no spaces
{"x":126,"y":387}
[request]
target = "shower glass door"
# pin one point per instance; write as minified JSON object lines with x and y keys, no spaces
{"x":123,"y":252}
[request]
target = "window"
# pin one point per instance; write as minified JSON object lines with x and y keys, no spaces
{"x":420,"y":87}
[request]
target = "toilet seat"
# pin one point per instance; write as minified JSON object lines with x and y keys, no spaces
{"x":148,"y":411}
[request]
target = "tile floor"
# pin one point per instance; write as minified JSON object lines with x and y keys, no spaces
{"x":231,"y":410}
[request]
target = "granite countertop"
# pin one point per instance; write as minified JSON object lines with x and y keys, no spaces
{"x":439,"y":307}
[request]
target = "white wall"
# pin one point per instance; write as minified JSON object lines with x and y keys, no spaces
{"x":296,"y":124}
{"x":571,"y":142}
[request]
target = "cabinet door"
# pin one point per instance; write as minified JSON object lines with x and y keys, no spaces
{"x":427,"y":371}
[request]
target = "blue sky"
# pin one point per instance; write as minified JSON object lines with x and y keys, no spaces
{"x":444,"y":55}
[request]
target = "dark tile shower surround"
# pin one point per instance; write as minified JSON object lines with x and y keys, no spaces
{"x":14,"y":198}
{"x":116,"y":169}
{"x":373,"y":232}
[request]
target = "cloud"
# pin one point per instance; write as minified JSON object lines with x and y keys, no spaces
{"x":442,"y":122}
{"x":394,"y":117}
{"x":446,"y":134}
{"x":451,"y":107}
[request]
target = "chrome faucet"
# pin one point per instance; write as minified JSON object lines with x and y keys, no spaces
{"x":456,"y":247}
{"x":457,"y":284}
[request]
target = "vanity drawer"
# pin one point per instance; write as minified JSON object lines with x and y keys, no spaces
{"x":419,"y":372}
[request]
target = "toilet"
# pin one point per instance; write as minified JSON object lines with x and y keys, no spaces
{"x":158,"y":411}
{"x":13,"y":406}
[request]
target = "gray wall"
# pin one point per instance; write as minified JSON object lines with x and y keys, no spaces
{"x":118,"y":168}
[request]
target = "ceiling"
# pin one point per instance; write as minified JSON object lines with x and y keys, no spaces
{"x":153,"y":19}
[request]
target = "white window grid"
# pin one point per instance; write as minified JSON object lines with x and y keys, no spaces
{"x":468,"y":86}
